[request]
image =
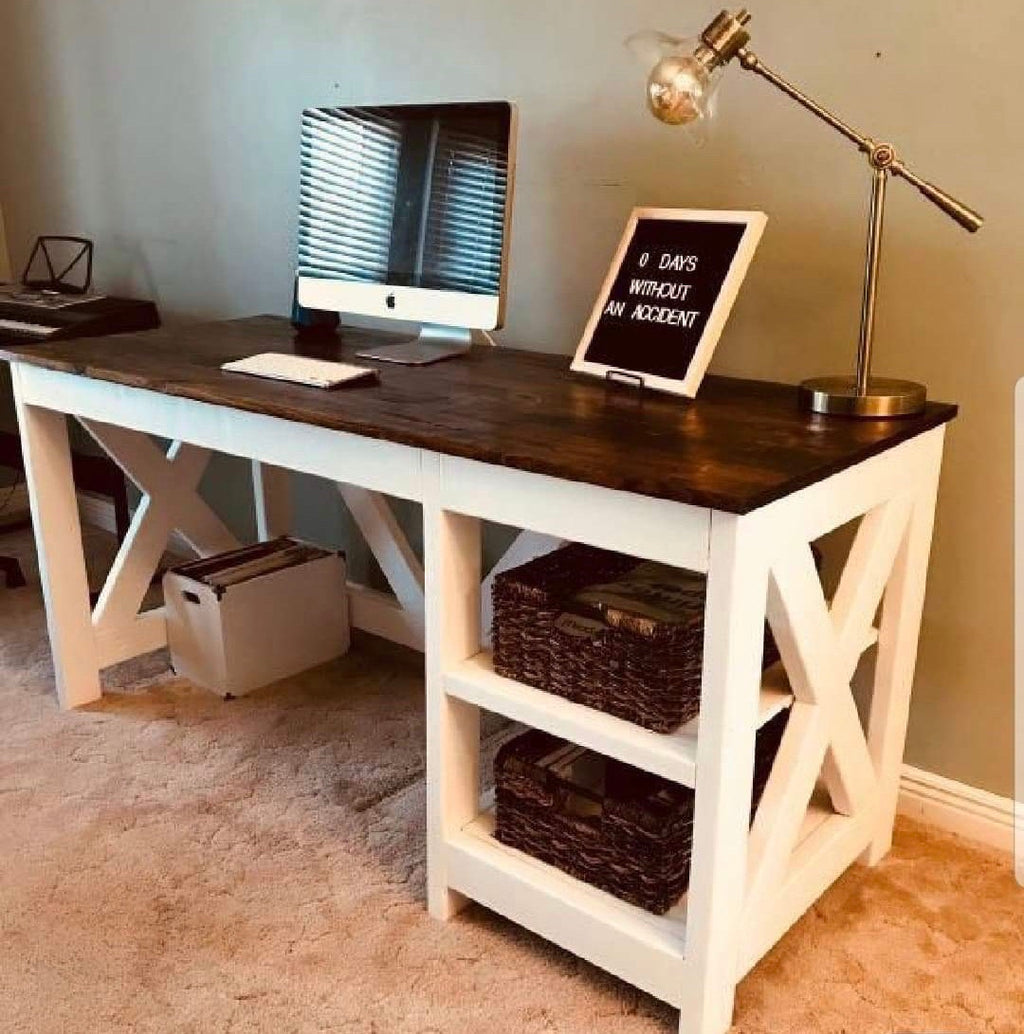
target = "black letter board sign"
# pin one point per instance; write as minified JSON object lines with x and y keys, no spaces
{"x":667,"y":296}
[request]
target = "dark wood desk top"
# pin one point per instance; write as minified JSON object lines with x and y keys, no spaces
{"x":740,"y":445}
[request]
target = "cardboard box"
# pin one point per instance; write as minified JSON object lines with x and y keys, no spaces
{"x":243,"y":619}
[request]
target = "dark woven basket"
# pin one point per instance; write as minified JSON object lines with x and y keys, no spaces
{"x":613,"y":826}
{"x":606,"y":630}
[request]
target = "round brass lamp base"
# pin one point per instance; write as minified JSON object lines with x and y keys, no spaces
{"x":837,"y":396}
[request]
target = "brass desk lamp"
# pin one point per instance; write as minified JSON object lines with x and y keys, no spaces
{"x":681,"y":90}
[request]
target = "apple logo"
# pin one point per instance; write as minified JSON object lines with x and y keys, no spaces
{"x":390,"y":301}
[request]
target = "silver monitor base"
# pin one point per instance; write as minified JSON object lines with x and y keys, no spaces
{"x":431,"y":345}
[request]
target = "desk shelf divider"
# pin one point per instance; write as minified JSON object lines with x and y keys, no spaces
{"x":672,"y":755}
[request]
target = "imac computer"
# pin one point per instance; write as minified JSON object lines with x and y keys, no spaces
{"x":404,"y":214}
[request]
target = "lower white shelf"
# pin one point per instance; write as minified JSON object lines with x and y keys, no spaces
{"x":644,"y":949}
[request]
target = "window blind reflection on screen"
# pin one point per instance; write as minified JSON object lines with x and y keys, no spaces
{"x":466,"y":215}
{"x":407,"y":195}
{"x":349,"y":186}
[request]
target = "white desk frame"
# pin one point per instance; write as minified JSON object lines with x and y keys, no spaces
{"x":757,"y":565}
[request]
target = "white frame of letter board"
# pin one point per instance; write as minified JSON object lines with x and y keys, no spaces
{"x":755,"y":223}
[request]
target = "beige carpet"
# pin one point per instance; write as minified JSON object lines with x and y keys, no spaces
{"x":170,"y":862}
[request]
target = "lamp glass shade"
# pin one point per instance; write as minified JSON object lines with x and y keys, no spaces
{"x":681,"y":89}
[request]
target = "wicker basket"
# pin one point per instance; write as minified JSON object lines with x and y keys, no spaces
{"x":606,"y":630}
{"x":613,"y":826}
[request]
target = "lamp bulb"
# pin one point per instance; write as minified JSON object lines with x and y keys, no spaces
{"x":679,"y":90}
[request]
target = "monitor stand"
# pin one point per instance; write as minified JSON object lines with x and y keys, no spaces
{"x":433,"y":343}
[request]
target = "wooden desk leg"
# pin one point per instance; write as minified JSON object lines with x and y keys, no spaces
{"x":44,"y":441}
{"x":897,"y":658}
{"x":451,"y":546}
{"x":733,"y":645}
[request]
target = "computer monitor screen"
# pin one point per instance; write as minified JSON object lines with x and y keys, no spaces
{"x":404,"y":211}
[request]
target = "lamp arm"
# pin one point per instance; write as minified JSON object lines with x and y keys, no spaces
{"x":881,"y":156}
{"x":752,"y":63}
{"x":966,"y":216}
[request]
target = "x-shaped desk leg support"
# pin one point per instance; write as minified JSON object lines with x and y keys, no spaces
{"x":402,"y":618}
{"x":170,"y":501}
{"x":821,"y":647}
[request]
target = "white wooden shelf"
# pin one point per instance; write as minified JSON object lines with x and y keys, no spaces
{"x":635,"y":945}
{"x":672,"y":755}
{"x":642,"y":948}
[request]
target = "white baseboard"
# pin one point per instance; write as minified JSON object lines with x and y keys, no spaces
{"x":94,"y":510}
{"x":957,"y":808}
{"x":99,"y":512}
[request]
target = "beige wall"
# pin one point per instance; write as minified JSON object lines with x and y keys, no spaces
{"x":167,"y":131}
{"x":5,"y":261}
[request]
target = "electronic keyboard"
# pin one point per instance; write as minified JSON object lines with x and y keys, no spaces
{"x":24,"y":321}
